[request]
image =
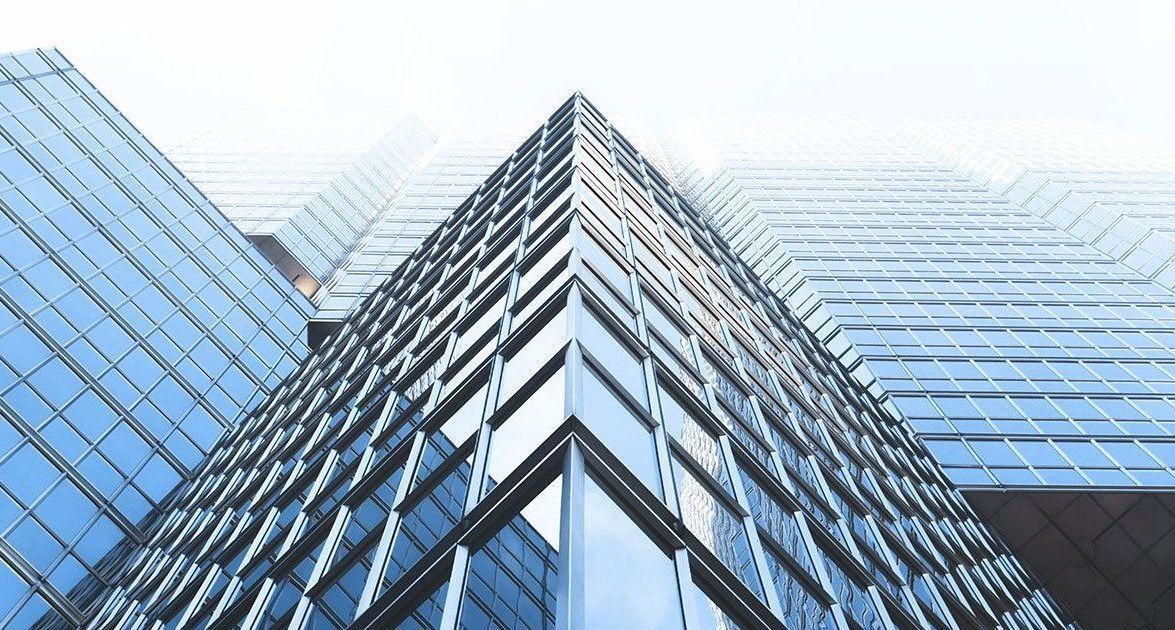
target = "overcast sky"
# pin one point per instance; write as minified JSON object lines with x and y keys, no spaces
{"x":175,"y":70}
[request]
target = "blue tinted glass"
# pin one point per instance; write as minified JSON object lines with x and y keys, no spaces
{"x":628,"y":580}
{"x":513,"y":578}
{"x":27,"y":473}
{"x":619,"y":428}
{"x":12,"y":588}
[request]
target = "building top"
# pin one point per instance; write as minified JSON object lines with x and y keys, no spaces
{"x":974,"y":317}
{"x":1113,"y":191}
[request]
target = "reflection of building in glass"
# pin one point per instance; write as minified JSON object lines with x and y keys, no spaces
{"x":1026,"y":359}
{"x":304,"y":187}
{"x":572,"y":405}
{"x":136,"y":324}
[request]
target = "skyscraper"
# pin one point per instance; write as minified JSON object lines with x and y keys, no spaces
{"x":572,"y":406}
{"x":135,"y":325}
{"x":304,"y":187}
{"x":1039,"y":371}
{"x":1109,"y":189}
{"x":452,"y":169}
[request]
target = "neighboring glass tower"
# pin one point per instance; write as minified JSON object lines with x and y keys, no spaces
{"x":136,"y":324}
{"x":304,"y":187}
{"x":572,"y":406}
{"x":1111,"y":190}
{"x":1027,"y":360}
{"x":455,"y":166}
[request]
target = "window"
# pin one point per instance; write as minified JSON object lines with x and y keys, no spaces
{"x":620,"y":428}
{"x":538,"y":347}
{"x":715,"y":523}
{"x":533,"y":421}
{"x":614,"y":356}
{"x":513,"y":577}
{"x":628,"y":581}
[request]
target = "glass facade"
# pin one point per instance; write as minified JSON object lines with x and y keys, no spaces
{"x":304,"y":187}
{"x":136,"y":324}
{"x":571,"y":406}
{"x":455,"y":166}
{"x":1022,"y":355}
{"x":1036,"y":368}
{"x":1113,"y":191}
{"x":1116,"y":193}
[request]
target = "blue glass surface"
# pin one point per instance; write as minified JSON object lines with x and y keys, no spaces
{"x":115,"y":284}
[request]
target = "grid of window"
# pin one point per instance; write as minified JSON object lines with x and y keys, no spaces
{"x":572,"y":406}
{"x":456,"y":165}
{"x":135,"y":326}
{"x":304,"y":186}
{"x":1115,"y":192}
{"x":1025,"y":357}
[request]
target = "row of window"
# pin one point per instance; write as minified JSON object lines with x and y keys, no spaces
{"x":134,"y":325}
{"x":974,"y":316}
{"x":441,"y":401}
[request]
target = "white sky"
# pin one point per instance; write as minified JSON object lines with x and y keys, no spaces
{"x":174,"y":70}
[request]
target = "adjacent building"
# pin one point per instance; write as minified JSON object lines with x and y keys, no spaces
{"x":1037,"y":368}
{"x":136,"y":324}
{"x":572,"y":406}
{"x":337,"y":200}
{"x":304,"y":186}
{"x":1109,"y":189}
{"x":450,"y":171}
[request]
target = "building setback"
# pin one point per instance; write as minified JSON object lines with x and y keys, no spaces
{"x":1038,"y":370}
{"x":303,"y":186}
{"x":1109,"y":189}
{"x":136,"y":324}
{"x":572,"y":406}
{"x":453,"y":168}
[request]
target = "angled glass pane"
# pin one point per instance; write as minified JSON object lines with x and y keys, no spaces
{"x":427,"y":615}
{"x":531,"y":423}
{"x":629,"y":582}
{"x":620,"y":428}
{"x":513,"y":577}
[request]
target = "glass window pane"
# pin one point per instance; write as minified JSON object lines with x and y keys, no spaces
{"x":513,"y":578}
{"x":618,"y":360}
{"x":708,"y":614}
{"x":538,"y":350}
{"x":427,"y":615}
{"x":716,"y":525}
{"x":618,"y":427}
{"x":426,"y":522}
{"x":530,"y":424}
{"x":628,"y":581}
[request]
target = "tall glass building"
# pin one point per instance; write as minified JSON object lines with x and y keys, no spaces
{"x":1111,"y":190}
{"x":304,"y":187}
{"x":136,"y":324}
{"x":453,"y":168}
{"x":1038,"y":370}
{"x":572,"y":406}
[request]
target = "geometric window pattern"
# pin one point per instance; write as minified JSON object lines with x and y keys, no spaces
{"x":1025,"y":357}
{"x":571,"y":406}
{"x":456,"y":165}
{"x":136,"y":325}
{"x":1111,"y":190}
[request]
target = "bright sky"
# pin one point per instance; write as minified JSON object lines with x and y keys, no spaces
{"x":174,"y":71}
